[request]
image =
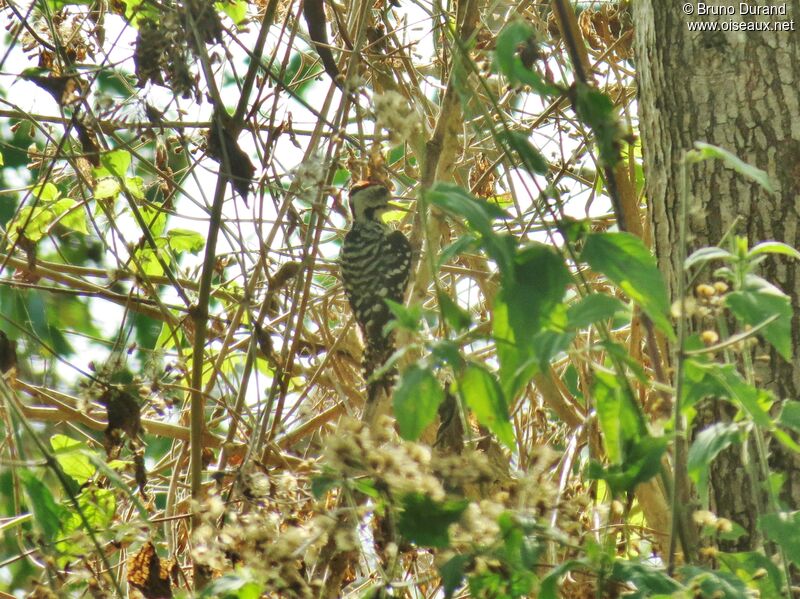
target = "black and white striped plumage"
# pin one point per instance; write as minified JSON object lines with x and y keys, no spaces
{"x":375,"y":263}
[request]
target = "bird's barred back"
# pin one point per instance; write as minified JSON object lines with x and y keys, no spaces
{"x":375,"y":266}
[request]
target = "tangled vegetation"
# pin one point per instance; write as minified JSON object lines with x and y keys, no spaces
{"x":182,"y":395}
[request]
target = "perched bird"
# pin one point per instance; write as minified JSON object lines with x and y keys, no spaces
{"x":375,"y":263}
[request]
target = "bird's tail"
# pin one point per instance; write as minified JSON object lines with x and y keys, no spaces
{"x":376,"y":354}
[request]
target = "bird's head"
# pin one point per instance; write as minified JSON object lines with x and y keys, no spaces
{"x":369,"y":200}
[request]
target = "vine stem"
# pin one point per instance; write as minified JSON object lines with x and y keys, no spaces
{"x":679,"y":487}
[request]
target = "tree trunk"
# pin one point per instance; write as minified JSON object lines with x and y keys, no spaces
{"x":737,"y":90}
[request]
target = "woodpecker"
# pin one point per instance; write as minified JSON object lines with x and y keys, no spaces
{"x":375,"y":263}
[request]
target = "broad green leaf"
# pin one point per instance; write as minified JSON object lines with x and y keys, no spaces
{"x":406,"y":317}
{"x":479,"y":215}
{"x":704,"y":255}
{"x":452,"y":573}
{"x":747,"y":564}
{"x":722,"y":380}
{"x":625,"y":260}
{"x":783,"y":528}
{"x":482,"y":394}
{"x":647,"y":579}
{"x":148,"y":262}
{"x":323,"y":483}
{"x":70,"y":214}
{"x":790,"y":415}
{"x":713,"y":583}
{"x":706,"y":151}
{"x":425,"y":521}
{"x":460,"y":245}
{"x":184,"y":240}
{"x":706,"y":446}
{"x":46,"y":192}
{"x":117,"y":162}
{"x":548,"y":588}
{"x":754,"y":306}
{"x":773,"y":247}
{"x":135,"y":186}
{"x":240,"y":584}
{"x":641,"y":462}
{"x":593,"y":308}
{"x":235,"y":9}
{"x":515,"y":142}
{"x":534,"y":290}
{"x":46,"y":513}
{"x":106,"y":188}
{"x":455,"y":315}
{"x":156,"y":220}
{"x":516,"y":34}
{"x":416,"y":401}
{"x":72,"y":458}
{"x":33,"y":223}
{"x":596,"y":109}
{"x":621,"y":421}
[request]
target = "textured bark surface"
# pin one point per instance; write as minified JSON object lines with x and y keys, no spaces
{"x":740,"y":91}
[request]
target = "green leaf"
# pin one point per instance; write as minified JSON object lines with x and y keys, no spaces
{"x":184,"y":240}
{"x":706,"y":446}
{"x":621,"y":420}
{"x":455,"y":315}
{"x":783,"y":529}
{"x":530,"y":157}
{"x":459,"y":246}
{"x":135,"y":186}
{"x":790,"y":415}
{"x":482,"y":394}
{"x":235,"y":9}
{"x":647,"y":579}
{"x":46,"y":192}
{"x":236,"y":585}
{"x":323,"y":483}
{"x":106,"y":188}
{"x":33,"y":223}
{"x":773,"y":247}
{"x":452,"y":573}
{"x":596,"y":109}
{"x":46,"y":513}
{"x":515,"y":34}
{"x":753,"y":306}
{"x":641,"y":462}
{"x":593,"y":308}
{"x":625,"y":260}
{"x":534,"y":290}
{"x":706,"y":151}
{"x":117,"y":162}
{"x":72,"y":458}
{"x":713,"y":583}
{"x":746,"y":564}
{"x":479,"y":215}
{"x":722,"y":380}
{"x":425,"y":521}
{"x":405,"y":317}
{"x":70,"y":214}
{"x":416,"y":401}
{"x":704,"y":255}
{"x":548,"y":588}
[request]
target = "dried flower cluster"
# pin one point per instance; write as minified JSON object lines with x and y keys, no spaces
{"x":394,"y":113}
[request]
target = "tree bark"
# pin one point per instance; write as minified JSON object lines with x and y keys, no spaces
{"x":737,"y":90}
